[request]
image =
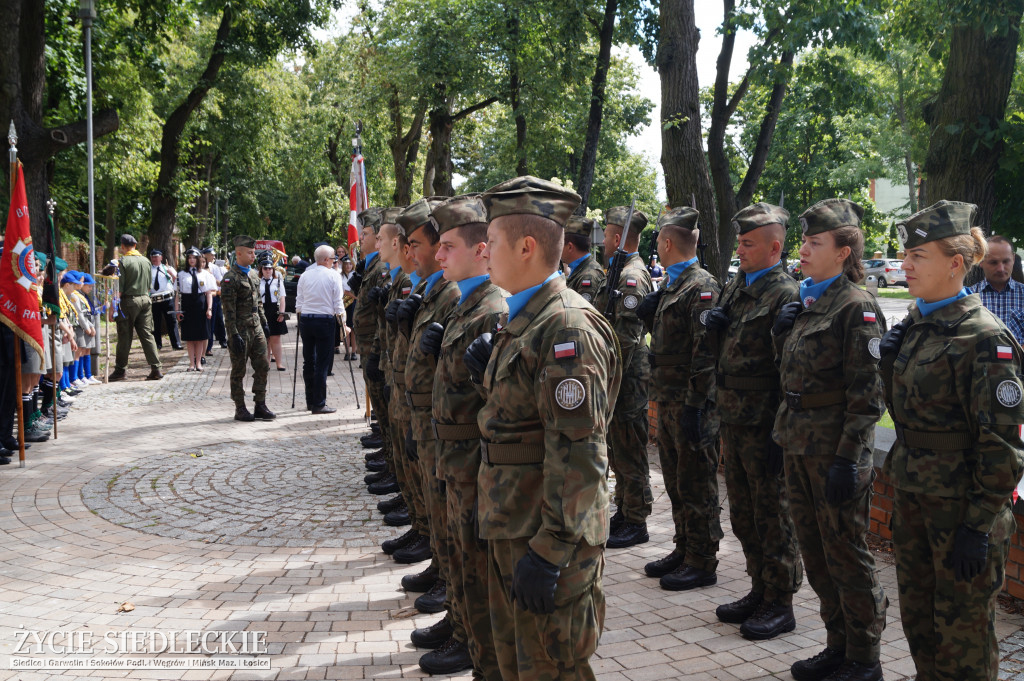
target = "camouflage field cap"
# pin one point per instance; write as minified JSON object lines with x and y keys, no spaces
{"x":759,"y":215}
{"x":580,"y":225}
{"x":684,"y":216}
{"x":389,"y":216}
{"x":243,"y":241}
{"x":457,"y":211}
{"x":938,"y":221}
{"x":830,"y":214}
{"x":617,"y":216}
{"x":371,"y":217}
{"x":528,"y":195}
{"x":417,"y":214}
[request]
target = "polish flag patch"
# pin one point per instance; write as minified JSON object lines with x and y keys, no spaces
{"x":870,"y":316}
{"x":631,"y":282}
{"x":585,"y":282}
{"x":705,"y":295}
{"x":564,"y":350}
{"x":1004,"y":352}
{"x":406,"y":290}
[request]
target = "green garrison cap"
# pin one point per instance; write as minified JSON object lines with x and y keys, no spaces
{"x":580,"y":225}
{"x":617,"y":216}
{"x":417,"y":214}
{"x":683,"y":216}
{"x":528,"y":195}
{"x":830,"y":214}
{"x":938,"y":221}
{"x":371,"y":217}
{"x":389,"y":216}
{"x":457,"y":211}
{"x":759,"y":215}
{"x":243,"y":241}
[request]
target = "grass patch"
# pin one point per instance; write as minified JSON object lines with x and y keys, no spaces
{"x":886,"y":421}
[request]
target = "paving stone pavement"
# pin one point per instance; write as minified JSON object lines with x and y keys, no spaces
{"x":154,"y":495}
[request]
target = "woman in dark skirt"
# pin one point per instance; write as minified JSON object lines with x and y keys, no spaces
{"x":272,"y":294}
{"x":196,"y":307}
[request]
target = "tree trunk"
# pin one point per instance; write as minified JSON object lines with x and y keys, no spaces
{"x":203,"y":204}
{"x":515,"y":94}
{"x":428,"y":172}
{"x":901,"y":115}
{"x":585,"y":181}
{"x":965,"y":148}
{"x":439,"y":167}
{"x":404,"y":147}
{"x":682,"y":146}
{"x":164,"y":203}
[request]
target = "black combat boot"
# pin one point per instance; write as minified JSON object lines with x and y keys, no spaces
{"x":451,"y":658}
{"x":387,"y":485}
{"x":371,"y":478}
{"x":371,"y":441}
{"x":375,"y":454}
{"x":391,"y":545}
{"x":376,"y":465}
{"x":375,"y":428}
{"x":628,"y":534}
{"x":663,"y":566}
{"x":854,"y":671}
{"x":421,"y":582}
{"x":770,"y":620}
{"x":398,"y":518}
{"x":242,"y":413}
{"x":819,"y":666}
{"x":687,"y":577}
{"x":616,"y":521}
{"x":434,"y":636}
{"x":433,"y":600}
{"x":416,"y":551}
{"x":262,"y":413}
{"x":739,"y":611}
{"x":389,"y":505}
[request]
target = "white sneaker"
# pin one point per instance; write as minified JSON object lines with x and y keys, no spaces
{"x":94,"y":381}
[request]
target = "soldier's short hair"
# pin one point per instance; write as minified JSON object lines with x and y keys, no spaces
{"x":547,"y":233}
{"x":634,"y":236}
{"x":686,"y":238}
{"x":429,"y":231}
{"x":579,"y":241}
{"x":472,"y":233}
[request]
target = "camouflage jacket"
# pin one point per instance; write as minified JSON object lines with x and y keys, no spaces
{"x":587,"y":279}
{"x":683,"y":359}
{"x":456,"y":399}
{"x":958,"y":370}
{"x":364,"y":322}
{"x":399,"y":351}
{"x":385,"y":338}
{"x":831,"y":355}
{"x":419,"y":367}
{"x":240,"y":301}
{"x":635,"y":284}
{"x":748,"y":377}
{"x":551,"y":383}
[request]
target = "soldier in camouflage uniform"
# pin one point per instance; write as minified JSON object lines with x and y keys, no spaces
{"x":628,"y":433}
{"x":462,"y":225}
{"x":952,"y":376}
{"x":584,"y":273}
{"x":246,"y":327}
{"x":748,"y":399}
{"x":550,"y":381}
{"x":828,"y":347}
{"x":683,"y":384}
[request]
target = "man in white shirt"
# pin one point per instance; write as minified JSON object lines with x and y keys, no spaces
{"x":161,"y":293}
{"x":319,"y":304}
{"x":215,"y":326}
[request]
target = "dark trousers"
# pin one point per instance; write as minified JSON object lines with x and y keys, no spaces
{"x":317,"y":353}
{"x":164,"y":320}
{"x":215,"y":325}
{"x":7,"y":386}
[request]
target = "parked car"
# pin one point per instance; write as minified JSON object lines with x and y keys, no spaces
{"x":888,"y":272}
{"x":734,"y":268}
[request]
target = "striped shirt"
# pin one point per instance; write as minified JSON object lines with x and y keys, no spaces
{"x":1007,"y":304}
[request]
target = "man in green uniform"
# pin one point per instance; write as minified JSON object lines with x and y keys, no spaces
{"x":135,"y":311}
{"x":748,"y":398}
{"x":584,"y":273}
{"x":551,"y":381}
{"x":628,"y":433}
{"x":246,"y":327}
{"x":683,"y":383}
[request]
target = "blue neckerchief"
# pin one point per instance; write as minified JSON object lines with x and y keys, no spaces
{"x":244,"y":268}
{"x":415,"y":278}
{"x":518,"y":301}
{"x":431,"y":280}
{"x":673,"y":272}
{"x":367,"y":259}
{"x":754,"y":276}
{"x":394,"y":271}
{"x":576,"y":263}
{"x":809,"y":291}
{"x":467,"y":286}
{"x":628,"y":255}
{"x":927,"y":308}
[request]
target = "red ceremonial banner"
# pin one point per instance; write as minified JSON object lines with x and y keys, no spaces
{"x":19,"y":278}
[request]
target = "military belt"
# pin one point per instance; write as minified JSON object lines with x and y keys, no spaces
{"x":799,"y":401}
{"x":667,"y":360}
{"x":517,"y":453}
{"x":748,"y":382}
{"x":455,"y":431}
{"x":942,"y":440}
{"x":418,"y":399}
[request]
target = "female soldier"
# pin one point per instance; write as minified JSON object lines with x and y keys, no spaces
{"x":952,"y":384}
{"x":196,"y":306}
{"x":828,"y":347}
{"x":272,"y":293}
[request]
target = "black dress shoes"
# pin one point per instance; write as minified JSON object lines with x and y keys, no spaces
{"x":389,"y":505}
{"x":416,"y":551}
{"x":421,"y":583}
{"x":770,"y":620}
{"x":628,"y":534}
{"x":434,"y":636}
{"x":818,"y":667}
{"x":663,"y":566}
{"x":433,"y":600}
{"x":687,"y":577}
{"x":451,"y":658}
{"x":739,"y":611}
{"x":389,"y":546}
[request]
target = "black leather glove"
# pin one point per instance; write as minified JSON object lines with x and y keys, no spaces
{"x":787,"y":315}
{"x":717,"y":319}
{"x":430,"y":340}
{"x":691,"y":421}
{"x":410,"y":447}
{"x":355,"y":282}
{"x":646,"y":310}
{"x":614,"y":297}
{"x":407,"y":313}
{"x":391,"y":311}
{"x":377,"y":295}
{"x":969,"y":554}
{"x":774,"y":458}
{"x":478,"y":354}
{"x":533,"y":584}
{"x":893,"y":338}
{"x":842,"y":481}
{"x":238,"y":343}
{"x":373,"y":371}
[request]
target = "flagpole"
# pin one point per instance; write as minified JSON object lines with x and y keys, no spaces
{"x":12,"y":138}
{"x":55,"y":379}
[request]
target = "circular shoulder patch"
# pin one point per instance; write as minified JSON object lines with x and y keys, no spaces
{"x":570,"y":393}
{"x":704,"y":317}
{"x":587,"y":297}
{"x":874,"y":346}
{"x":1009,"y":393}
{"x":630,"y":302}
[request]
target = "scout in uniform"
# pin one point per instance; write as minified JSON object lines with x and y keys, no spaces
{"x":135,"y":311}
{"x":748,"y":399}
{"x":245,"y":322}
{"x":584,"y":273}
{"x":832,"y":398}
{"x":550,"y":381}
{"x":952,"y":376}
{"x":683,"y":383}
{"x":628,"y":433}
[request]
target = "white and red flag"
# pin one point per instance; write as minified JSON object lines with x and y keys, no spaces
{"x":19,"y":278}
{"x":358,"y":200}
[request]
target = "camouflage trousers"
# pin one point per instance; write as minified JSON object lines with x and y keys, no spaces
{"x":467,"y":578}
{"x":256,"y":353}
{"x":691,"y":480}
{"x":547,"y":647}
{"x":406,"y":471}
{"x":380,"y":408}
{"x":627,"y":450}
{"x":950,"y":625}
{"x":759,"y":513}
{"x":435,"y":498}
{"x":839,"y":566}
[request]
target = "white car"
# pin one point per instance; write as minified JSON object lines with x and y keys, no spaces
{"x":734,"y":268}
{"x":888,"y":272}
